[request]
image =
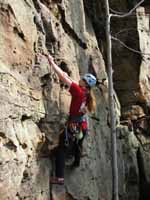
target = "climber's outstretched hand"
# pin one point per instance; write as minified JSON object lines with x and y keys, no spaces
{"x":49,"y":57}
{"x":61,"y":74}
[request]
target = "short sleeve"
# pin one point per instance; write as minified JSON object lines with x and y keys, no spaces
{"x":75,"y":89}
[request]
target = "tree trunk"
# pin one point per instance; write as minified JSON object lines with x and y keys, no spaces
{"x":111,"y":107}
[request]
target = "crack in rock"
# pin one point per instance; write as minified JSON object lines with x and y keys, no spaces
{"x":69,"y":30}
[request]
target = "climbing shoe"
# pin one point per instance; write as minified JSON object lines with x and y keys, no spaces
{"x":59,"y":181}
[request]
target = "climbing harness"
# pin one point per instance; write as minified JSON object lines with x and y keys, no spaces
{"x":73,"y":130}
{"x":76,"y":130}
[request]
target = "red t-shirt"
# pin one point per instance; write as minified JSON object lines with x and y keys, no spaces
{"x":78,"y":100}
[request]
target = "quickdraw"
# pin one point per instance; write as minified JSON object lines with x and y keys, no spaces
{"x":66,"y":140}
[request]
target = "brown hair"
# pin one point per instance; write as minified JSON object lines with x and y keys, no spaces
{"x":91,"y":101}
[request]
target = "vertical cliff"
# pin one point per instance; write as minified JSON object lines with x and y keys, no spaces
{"x":34,"y":103}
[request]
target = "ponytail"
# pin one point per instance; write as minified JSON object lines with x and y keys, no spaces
{"x":91,"y":101}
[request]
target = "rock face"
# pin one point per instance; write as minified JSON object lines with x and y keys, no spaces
{"x":34,"y":103}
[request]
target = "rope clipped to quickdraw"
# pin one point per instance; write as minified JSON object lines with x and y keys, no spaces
{"x":66,"y":140}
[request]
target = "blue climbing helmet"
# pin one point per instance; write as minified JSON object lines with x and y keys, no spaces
{"x":90,"y":79}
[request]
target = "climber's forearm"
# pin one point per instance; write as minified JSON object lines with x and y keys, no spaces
{"x":57,"y":69}
{"x":61,"y":74}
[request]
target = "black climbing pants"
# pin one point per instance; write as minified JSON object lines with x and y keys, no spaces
{"x":75,"y":148}
{"x":59,"y":162}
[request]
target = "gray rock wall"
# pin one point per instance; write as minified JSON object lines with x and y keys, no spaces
{"x":34,"y":104}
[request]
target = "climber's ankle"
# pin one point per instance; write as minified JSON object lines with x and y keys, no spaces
{"x":57,"y":180}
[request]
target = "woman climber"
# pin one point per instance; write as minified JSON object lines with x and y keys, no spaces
{"x":77,"y":126}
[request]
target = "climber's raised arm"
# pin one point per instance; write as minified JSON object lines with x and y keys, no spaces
{"x":61,"y":74}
